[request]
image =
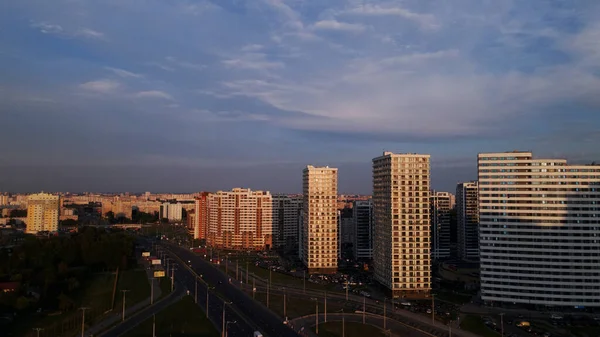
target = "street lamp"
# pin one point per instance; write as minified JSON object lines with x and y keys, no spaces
{"x":83,"y":309}
{"x":224,"y":328}
{"x":433,"y":309}
{"x":384,"y":307}
{"x":38,"y":331}
{"x":227,"y":325}
{"x":501,"y":324}
{"x":123,"y":316}
{"x":207,"y":290}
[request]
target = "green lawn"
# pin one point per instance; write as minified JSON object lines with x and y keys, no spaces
{"x":295,"y":306}
{"x":590,"y":331}
{"x":95,"y":294}
{"x":136,"y":281}
{"x":351,"y":329}
{"x":475,"y":325}
{"x":182,"y":319}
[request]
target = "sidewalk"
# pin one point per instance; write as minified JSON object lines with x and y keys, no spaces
{"x":116,"y":315}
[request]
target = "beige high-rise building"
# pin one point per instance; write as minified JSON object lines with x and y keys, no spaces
{"x":319,"y":246}
{"x":401,"y":227}
{"x":42,"y":213}
{"x":539,"y":231}
{"x":239,"y":219}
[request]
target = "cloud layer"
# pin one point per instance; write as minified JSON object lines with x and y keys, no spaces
{"x":302,"y":82}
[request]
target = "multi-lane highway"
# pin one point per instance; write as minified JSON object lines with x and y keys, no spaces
{"x":248,"y":314}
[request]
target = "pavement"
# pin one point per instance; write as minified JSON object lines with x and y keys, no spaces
{"x":117,"y":315}
{"x":248,"y":314}
{"x":393,"y":327}
{"x":146,"y":313}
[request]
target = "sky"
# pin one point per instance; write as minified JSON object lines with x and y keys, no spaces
{"x":190,"y":95}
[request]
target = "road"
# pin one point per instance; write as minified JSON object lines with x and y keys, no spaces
{"x":397,"y":328}
{"x":139,"y":317}
{"x":248,"y":314}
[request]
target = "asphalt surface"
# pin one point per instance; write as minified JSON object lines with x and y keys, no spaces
{"x":139,"y":317}
{"x":396,"y":328}
{"x":248,"y":314}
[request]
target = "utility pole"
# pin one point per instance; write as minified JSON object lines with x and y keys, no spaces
{"x":227,"y":265}
{"x":172,"y":278}
{"x":83,"y":309}
{"x":38,"y":331}
{"x":384,"y":307}
{"x":317,"y":315}
{"x":433,"y":309}
{"x":284,"y":312}
{"x":502,"y":324}
{"x":224,"y":328}
{"x":347,"y":290}
{"x":123,"y":316}
{"x":325,"y":311}
{"x":151,"y":291}
{"x":196,"y":290}
{"x":246,"y":272}
{"x":237,"y":276}
{"x":153,"y":325}
{"x":253,"y":286}
{"x":304,"y":280}
{"x":268,"y":287}
{"x":364,"y":307}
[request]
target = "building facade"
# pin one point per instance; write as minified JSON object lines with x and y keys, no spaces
{"x":467,"y":214}
{"x":171,"y":211}
{"x":539,"y":232}
{"x":240,"y":219}
{"x":401,"y":224}
{"x":43,"y":210}
{"x":362,"y":215}
{"x":441,"y":206}
{"x":319,"y":237}
{"x":346,"y":233}
{"x":201,"y":211}
{"x":286,"y":222}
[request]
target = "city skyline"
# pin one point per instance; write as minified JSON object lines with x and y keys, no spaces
{"x":253,"y":91}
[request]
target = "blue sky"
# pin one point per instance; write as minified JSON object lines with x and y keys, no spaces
{"x":183,"y":95}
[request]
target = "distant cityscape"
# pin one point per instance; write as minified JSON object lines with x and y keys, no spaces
{"x":532,"y":225}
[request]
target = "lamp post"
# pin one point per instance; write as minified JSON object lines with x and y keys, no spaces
{"x":227,"y":325}
{"x":325,"y":311}
{"x":501,"y":324}
{"x":83,"y":309}
{"x":151,"y":290}
{"x":433,"y":309}
{"x":317,"y":314}
{"x":223,"y":329}
{"x":384,"y":307}
{"x":38,"y":331}
{"x":207,"y":290}
{"x":284,"y":304}
{"x":123,"y":315}
{"x":364,"y":307}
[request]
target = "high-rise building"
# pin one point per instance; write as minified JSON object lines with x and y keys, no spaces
{"x":346,"y":232}
{"x":362,"y":215}
{"x":240,"y":219}
{"x":3,"y":199}
{"x":539,"y":232}
{"x":467,"y":214}
{"x":42,"y":213}
{"x":441,"y":205}
{"x":171,"y":211}
{"x":401,"y":224}
{"x":286,"y":221}
{"x":319,"y":237}
{"x":201,"y":217}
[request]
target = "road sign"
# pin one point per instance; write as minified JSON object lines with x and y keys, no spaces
{"x":159,"y":273}
{"x":145,"y":254}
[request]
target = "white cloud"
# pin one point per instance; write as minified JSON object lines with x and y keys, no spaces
{"x":54,"y":29}
{"x":253,"y":61}
{"x":153,"y":94}
{"x":185,"y":64}
{"x":252,"y":47}
{"x":425,"y":20}
{"x":101,"y":86}
{"x":340,"y":26}
{"x":90,"y":33}
{"x":123,"y":73}
{"x":48,"y":28}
